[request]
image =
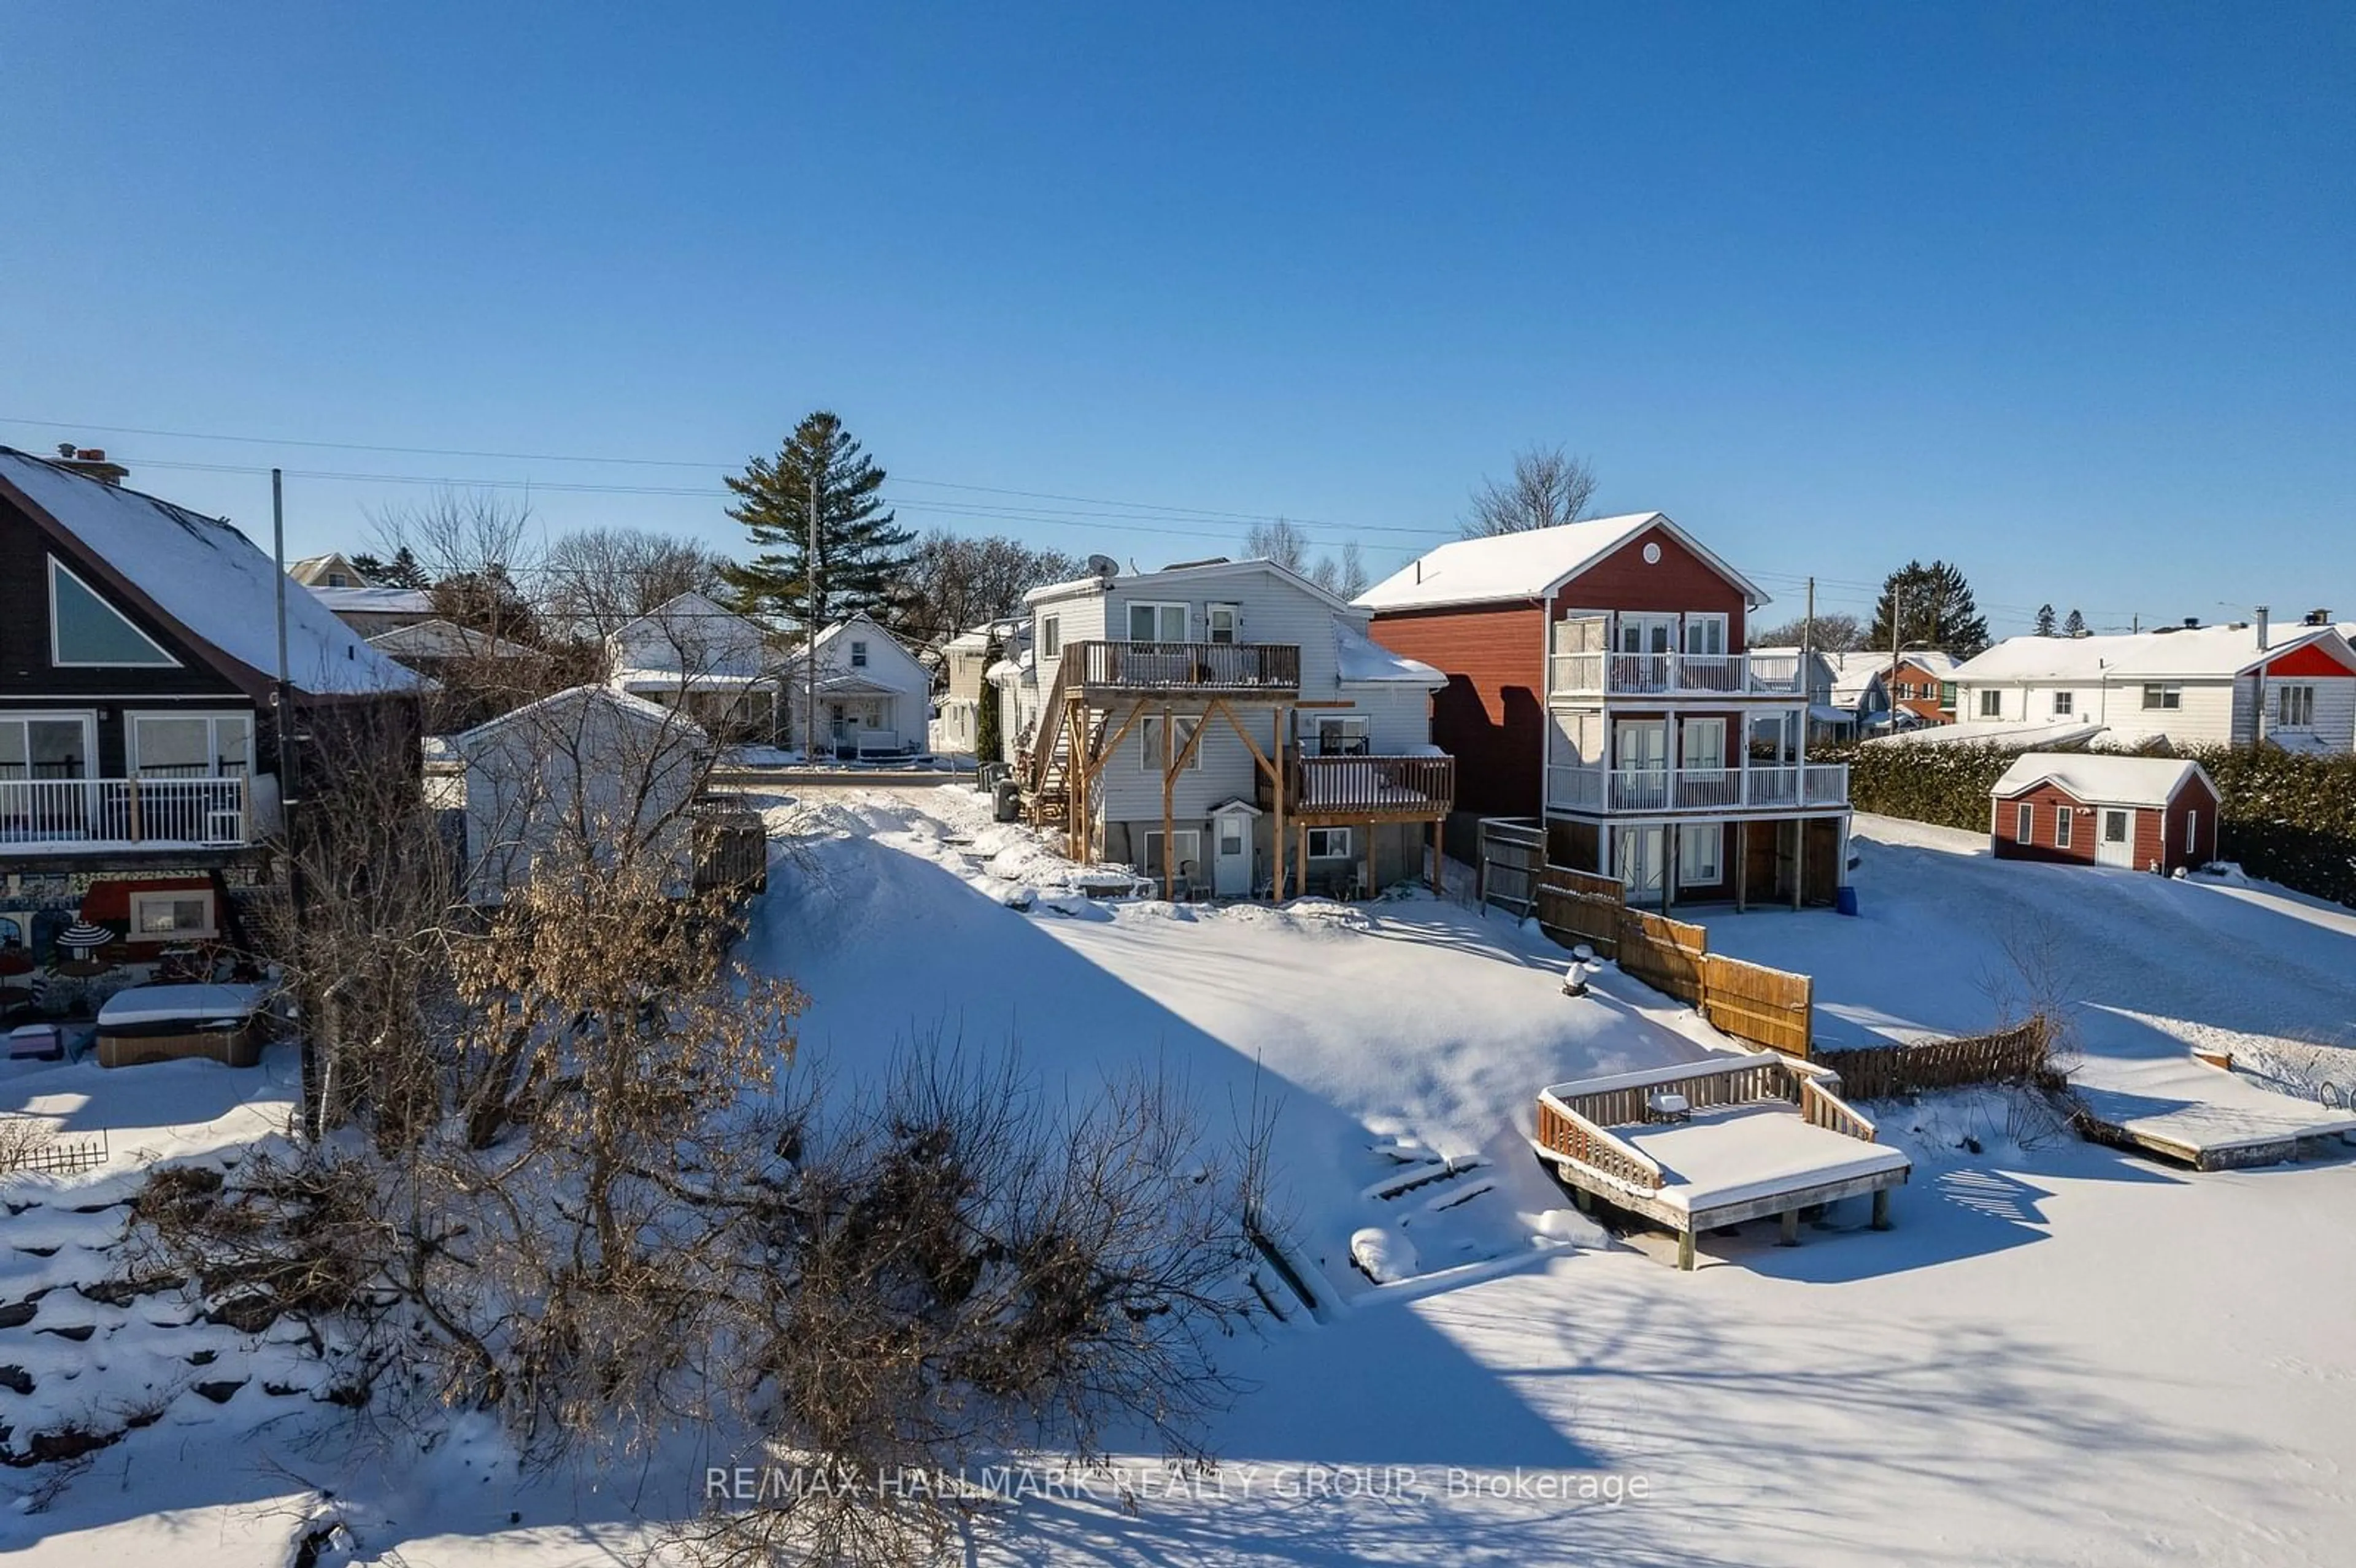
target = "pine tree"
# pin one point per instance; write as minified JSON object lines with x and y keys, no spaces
{"x":2075,"y":626}
{"x":987,"y":744}
{"x":861,"y":552}
{"x":2045,"y":620}
{"x":404,"y":570}
{"x":1932,"y":607}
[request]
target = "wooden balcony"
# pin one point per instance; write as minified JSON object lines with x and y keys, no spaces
{"x":1183,"y":669}
{"x":1769,"y":786}
{"x":156,"y":813}
{"x":1673,"y":674}
{"x":1364,"y":788}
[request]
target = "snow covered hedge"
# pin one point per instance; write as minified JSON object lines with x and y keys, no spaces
{"x":2289,"y":817}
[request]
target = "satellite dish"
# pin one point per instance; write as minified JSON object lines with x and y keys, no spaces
{"x":1104,"y":567}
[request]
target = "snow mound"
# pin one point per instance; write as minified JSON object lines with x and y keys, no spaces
{"x":1384,"y":1256}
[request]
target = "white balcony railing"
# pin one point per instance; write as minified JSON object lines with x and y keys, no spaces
{"x":201,"y":812}
{"x":1673,"y":675}
{"x":1646,"y":790}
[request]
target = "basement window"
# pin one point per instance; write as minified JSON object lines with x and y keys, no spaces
{"x":1329,"y":843}
{"x":172,"y":916}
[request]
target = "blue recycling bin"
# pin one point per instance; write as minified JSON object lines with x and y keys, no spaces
{"x":1845,"y":901}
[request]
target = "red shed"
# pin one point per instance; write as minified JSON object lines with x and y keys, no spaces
{"x":2153,"y":813}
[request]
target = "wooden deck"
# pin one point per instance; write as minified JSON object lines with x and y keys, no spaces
{"x":1765,"y":1135}
{"x":2187,"y":1111}
{"x":1106,"y":670}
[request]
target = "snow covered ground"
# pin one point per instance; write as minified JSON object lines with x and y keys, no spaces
{"x":2062,"y":1355}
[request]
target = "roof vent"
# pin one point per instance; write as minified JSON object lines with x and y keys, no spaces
{"x":90,"y":461}
{"x":2319,"y":617}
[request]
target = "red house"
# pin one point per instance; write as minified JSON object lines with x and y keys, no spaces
{"x":2152,"y":814}
{"x":1598,"y":679}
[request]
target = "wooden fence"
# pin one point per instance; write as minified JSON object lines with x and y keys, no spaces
{"x":1750,"y":1001}
{"x":1513,"y":855}
{"x":1885,"y":1072}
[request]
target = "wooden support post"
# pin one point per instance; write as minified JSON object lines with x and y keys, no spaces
{"x":1169,"y":785}
{"x":1881,"y":1209}
{"x":1741,"y":866}
{"x":1791,"y":1236}
{"x":1669,"y":831}
{"x":1799,"y":860}
{"x":1370,"y":831}
{"x":1276,"y":757}
{"x":1582,"y":1199}
{"x":1686,"y":1249}
{"x":1439,"y":853}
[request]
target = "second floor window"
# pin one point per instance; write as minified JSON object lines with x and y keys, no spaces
{"x":1343,"y":735}
{"x":1221,"y":621}
{"x":1149,"y":742}
{"x":859,"y":656}
{"x":1151,"y":623}
{"x":1051,"y":636}
{"x":2294,"y":707}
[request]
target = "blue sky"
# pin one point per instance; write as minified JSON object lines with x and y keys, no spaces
{"x":2065,"y":293}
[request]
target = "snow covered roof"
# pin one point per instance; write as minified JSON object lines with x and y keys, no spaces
{"x":439,"y":639}
{"x":1931,"y":660}
{"x":2197,"y":652}
{"x":372,"y":601}
{"x":1357,"y":657}
{"x":2100,"y":778}
{"x":1527,"y":565}
{"x":622,"y":702}
{"x":206,"y":579}
{"x":1854,"y":674}
{"x":2014,"y":736}
{"x":1177,"y":575}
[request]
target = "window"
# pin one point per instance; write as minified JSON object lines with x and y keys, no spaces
{"x":2163,"y":697}
{"x":1698,"y":853}
{"x":1149,"y":742}
{"x":1947,"y":696}
{"x":2114,"y":826}
{"x":2065,"y":703}
{"x":2191,"y":832}
{"x":1189,"y":853}
{"x":2294,"y":707}
{"x":1329,"y":843}
{"x":1705,"y":747}
{"x":1224,"y":622}
{"x":53,"y":748}
{"x":2061,"y":827}
{"x":1991,"y":702}
{"x":1051,"y":636}
{"x":337,"y":580}
{"x":172,"y":916}
{"x":84,"y":629}
{"x":858,"y":655}
{"x":1155,"y":623}
{"x":1343,"y":735}
{"x":2024,"y":824}
{"x":1705,"y":634}
{"x":191,"y":745}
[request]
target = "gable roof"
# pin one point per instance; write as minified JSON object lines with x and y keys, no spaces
{"x":372,"y":601}
{"x":311,"y":568}
{"x":2214,"y":652}
{"x":1528,"y":565}
{"x":1254,"y":566}
{"x":835,"y":670}
{"x":2101,"y":778}
{"x":691,"y":606}
{"x":439,"y":639}
{"x":203,"y":579}
{"x":623,"y":703}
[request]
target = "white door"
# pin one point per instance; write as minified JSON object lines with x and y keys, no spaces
{"x":2114,"y":837}
{"x":1640,"y":762}
{"x":1231,"y":858}
{"x":1639,"y":862}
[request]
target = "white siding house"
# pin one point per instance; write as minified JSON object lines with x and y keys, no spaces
{"x":2293,"y":687}
{"x":1263,"y":672}
{"x":702,"y":657}
{"x":587,"y":772}
{"x":874,"y":696}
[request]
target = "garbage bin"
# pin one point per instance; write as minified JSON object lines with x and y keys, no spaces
{"x":1007,"y":796}
{"x":1845,"y":901}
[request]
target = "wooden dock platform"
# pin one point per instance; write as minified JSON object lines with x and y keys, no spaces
{"x":2189,"y":1111}
{"x":1758,"y":1135}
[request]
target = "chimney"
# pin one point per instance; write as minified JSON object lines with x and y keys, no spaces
{"x":2319,"y":617}
{"x":90,"y":463}
{"x":2262,"y":628}
{"x":2192,"y":622}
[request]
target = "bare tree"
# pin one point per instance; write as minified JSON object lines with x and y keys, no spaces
{"x":1829,"y":633}
{"x":1345,"y":576}
{"x":954,"y":582}
{"x":593,"y":580}
{"x":480,"y":551}
{"x":1279,"y":540}
{"x":1548,"y":488}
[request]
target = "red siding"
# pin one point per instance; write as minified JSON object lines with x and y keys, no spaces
{"x":2310,"y":660}
{"x":1915,"y":677}
{"x":1679,"y":581}
{"x":2048,"y":799}
{"x":1492,"y":715}
{"x":2195,"y":796}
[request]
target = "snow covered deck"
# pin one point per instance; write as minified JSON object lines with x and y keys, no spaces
{"x":1716,"y":1143}
{"x":2205,"y":1116}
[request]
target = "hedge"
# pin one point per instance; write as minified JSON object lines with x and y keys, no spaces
{"x":2287,"y":817}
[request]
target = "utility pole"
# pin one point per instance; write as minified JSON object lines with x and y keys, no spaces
{"x":1807,"y":643}
{"x":1897,"y":622}
{"x":809,"y":634}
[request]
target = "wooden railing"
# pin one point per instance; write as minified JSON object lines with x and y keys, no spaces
{"x":1185,"y":666}
{"x":1033,"y":758}
{"x":193,"y":811}
{"x":1573,"y":1136}
{"x":1820,"y":1107}
{"x":1396,"y":786}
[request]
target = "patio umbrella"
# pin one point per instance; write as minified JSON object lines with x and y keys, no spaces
{"x":85,"y":937}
